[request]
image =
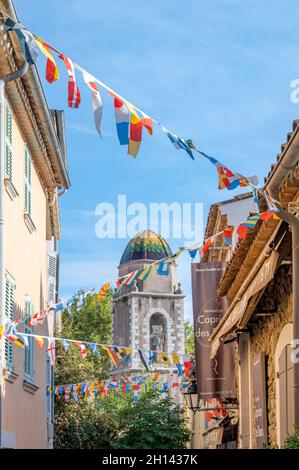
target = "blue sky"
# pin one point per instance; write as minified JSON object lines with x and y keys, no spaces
{"x":219,"y":72}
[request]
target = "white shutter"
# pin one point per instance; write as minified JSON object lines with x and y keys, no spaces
{"x":8,"y":141}
{"x":9,"y":317}
{"x":52,"y":276}
{"x":27,"y":182}
{"x":50,"y":397}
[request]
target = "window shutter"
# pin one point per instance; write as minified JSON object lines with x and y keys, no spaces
{"x":52,"y":276}
{"x":244,"y":391}
{"x":27,"y":188}
{"x":8,"y":141}
{"x":50,"y":398}
{"x":9,"y":317}
{"x":290,"y":391}
{"x":29,"y":352}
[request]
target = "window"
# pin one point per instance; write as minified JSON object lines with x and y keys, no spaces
{"x":29,"y":351}
{"x":52,"y":277}
{"x":27,"y":188}
{"x":8,"y":142}
{"x":50,"y":396}
{"x":9,"y":317}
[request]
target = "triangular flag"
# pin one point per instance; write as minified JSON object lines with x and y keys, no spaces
{"x":52,"y":72}
{"x":103,"y":291}
{"x":74,"y":97}
{"x":51,"y":350}
{"x":40,"y":341}
{"x":97,"y":105}
{"x":206,"y":246}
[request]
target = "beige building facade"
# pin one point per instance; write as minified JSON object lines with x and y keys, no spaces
{"x":33,"y":172}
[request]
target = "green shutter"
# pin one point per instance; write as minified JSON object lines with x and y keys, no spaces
{"x":29,"y":351}
{"x":27,"y":187}
{"x":8,"y":142}
{"x":9,"y":317}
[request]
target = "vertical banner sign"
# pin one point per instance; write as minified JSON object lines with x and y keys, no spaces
{"x":215,"y":377}
{"x":259,"y":394}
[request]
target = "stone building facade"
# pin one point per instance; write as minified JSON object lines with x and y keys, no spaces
{"x":150,"y":314}
{"x":259,"y":283}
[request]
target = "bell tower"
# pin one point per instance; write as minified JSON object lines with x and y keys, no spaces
{"x":149,"y":314}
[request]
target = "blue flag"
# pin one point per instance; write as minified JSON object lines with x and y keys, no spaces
{"x":178,"y":142}
{"x":163,"y":269}
{"x":26,"y":39}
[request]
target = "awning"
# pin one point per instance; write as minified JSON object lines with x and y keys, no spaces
{"x":233,"y":317}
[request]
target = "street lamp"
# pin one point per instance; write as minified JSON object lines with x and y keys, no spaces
{"x":191,"y":397}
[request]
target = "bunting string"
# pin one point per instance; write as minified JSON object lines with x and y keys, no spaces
{"x":128,"y":122}
{"x":119,"y":355}
{"x":200,"y":248}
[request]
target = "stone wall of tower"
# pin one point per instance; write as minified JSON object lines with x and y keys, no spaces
{"x":131,"y":319}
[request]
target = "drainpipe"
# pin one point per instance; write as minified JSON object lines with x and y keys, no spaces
{"x":3,"y":81}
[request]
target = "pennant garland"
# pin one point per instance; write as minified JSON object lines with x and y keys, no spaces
{"x":122,"y":118}
{"x":256,"y":200}
{"x":51,"y":350}
{"x":26,"y":39}
{"x":103,"y":291}
{"x":227,"y":235}
{"x":111,"y":354}
{"x":144,"y":359}
{"x":97,"y":105}
{"x":124,"y":123}
{"x":130,"y":278}
{"x":83,"y":349}
{"x":146,"y":273}
{"x":135,"y":134}
{"x":179,"y":144}
{"x":74,"y":97}
{"x":134,"y":384}
{"x":40,"y":342}
{"x":52,"y":72}
{"x":163,"y":269}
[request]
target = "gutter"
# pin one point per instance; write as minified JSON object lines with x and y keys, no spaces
{"x":3,"y":81}
{"x":45,"y":118}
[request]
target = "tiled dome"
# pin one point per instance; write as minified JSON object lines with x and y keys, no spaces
{"x":147,"y":245}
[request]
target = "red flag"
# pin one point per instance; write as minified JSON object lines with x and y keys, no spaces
{"x":188,"y":365}
{"x":242,"y":231}
{"x":74,"y":97}
{"x":266,"y":215}
{"x":52,"y":73}
{"x":206,"y":246}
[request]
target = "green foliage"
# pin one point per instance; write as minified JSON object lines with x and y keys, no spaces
{"x":75,"y":424}
{"x":152,"y":422}
{"x":189,"y":338}
{"x":116,"y":421}
{"x":92,"y":323}
{"x":292,"y":440}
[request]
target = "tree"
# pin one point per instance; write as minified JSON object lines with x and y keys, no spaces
{"x":116,"y":421}
{"x":91,"y":323}
{"x":292,"y":440}
{"x":75,"y":424}
{"x":151,"y":422}
{"x":189,"y":338}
